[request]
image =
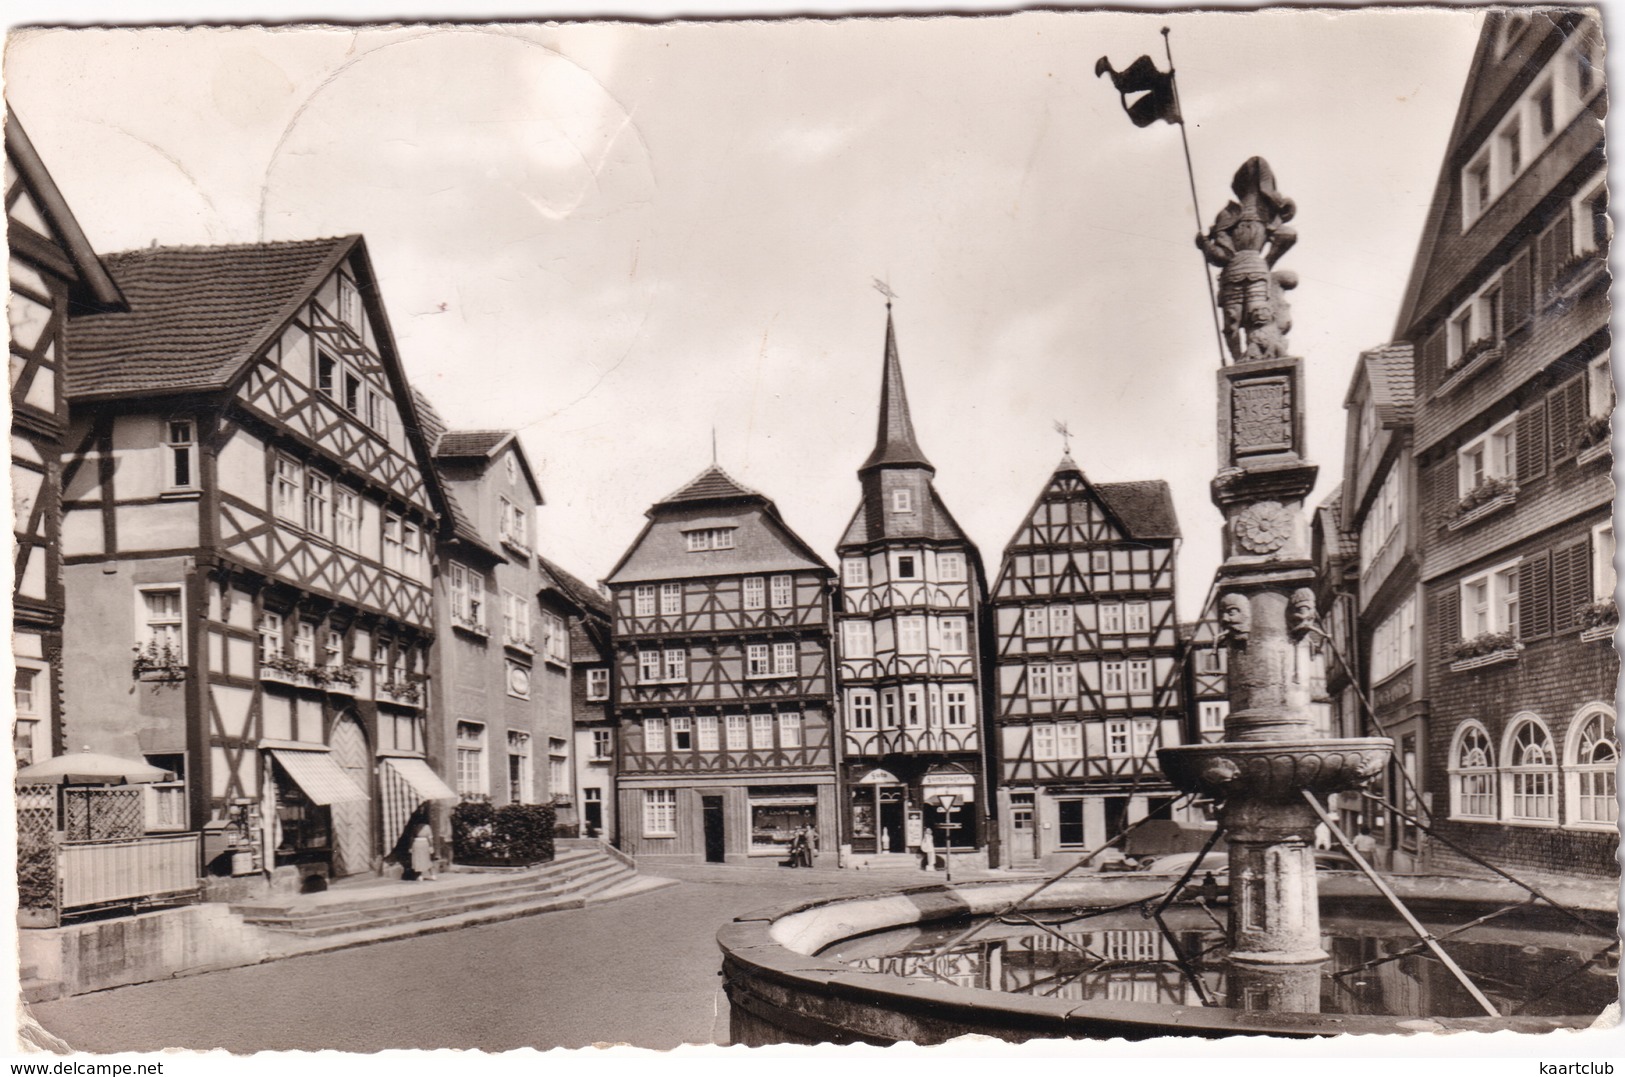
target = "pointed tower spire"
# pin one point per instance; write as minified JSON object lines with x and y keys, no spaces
{"x":894,"y":442}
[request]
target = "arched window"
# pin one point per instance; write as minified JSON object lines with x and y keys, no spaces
{"x":1529,"y":773}
{"x":1472,"y":774}
{"x":1588,"y":778}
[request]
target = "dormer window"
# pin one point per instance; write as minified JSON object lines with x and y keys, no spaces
{"x":710,"y":538}
{"x":902,"y":501}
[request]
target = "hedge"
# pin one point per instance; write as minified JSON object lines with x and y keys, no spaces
{"x":512,"y":835}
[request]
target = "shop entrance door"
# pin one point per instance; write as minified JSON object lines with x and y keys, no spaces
{"x":352,"y":819}
{"x":893,"y":837}
{"x":715,"y":847}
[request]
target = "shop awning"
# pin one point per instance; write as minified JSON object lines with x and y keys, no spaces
{"x":424,"y":782}
{"x":321,"y":779}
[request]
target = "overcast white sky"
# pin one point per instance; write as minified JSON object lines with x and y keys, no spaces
{"x":617,"y":237}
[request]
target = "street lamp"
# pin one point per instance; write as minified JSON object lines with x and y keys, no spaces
{"x":949,"y":803}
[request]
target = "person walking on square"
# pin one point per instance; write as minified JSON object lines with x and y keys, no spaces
{"x":423,"y":854}
{"x":928,"y":850}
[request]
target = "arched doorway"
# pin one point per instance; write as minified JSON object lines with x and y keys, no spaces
{"x":352,"y":820}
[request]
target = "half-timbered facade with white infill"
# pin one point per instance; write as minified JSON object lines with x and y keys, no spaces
{"x":909,"y":645}
{"x":1087,"y":664}
{"x":1207,"y":688}
{"x":53,"y":270}
{"x":248,"y":521}
{"x":723,"y":687}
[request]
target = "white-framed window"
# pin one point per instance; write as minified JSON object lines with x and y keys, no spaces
{"x":781,"y":592}
{"x":1491,"y":455}
{"x":654,"y":734}
{"x":1210,"y":715}
{"x":304,"y":642}
{"x":758,"y":660}
{"x":1600,"y":386}
{"x":180,"y":445}
{"x":521,"y":777}
{"x":603,"y":743}
{"x":1064,"y":680}
{"x":860,"y":708}
{"x":790,"y":729}
{"x":518,"y":679}
{"x":1592,"y":226}
{"x":855,"y":571}
{"x":906,"y":566}
{"x":1476,"y":321}
{"x":1069,"y":740}
{"x":784,"y":659}
{"x":1112,"y":682}
{"x":352,"y":391}
{"x":707,"y":733}
{"x":1100,"y":561}
{"x":1393,"y":644}
{"x":159,"y":629}
{"x":414,"y":555}
{"x":888,"y":709}
{"x":1035,"y":622}
{"x":349,"y":304}
{"x":857,"y":639}
{"x":710,"y":538}
{"x":513,"y":525}
{"x":287,"y":485}
{"x":911,"y":634}
{"x":27,"y":692}
{"x":660,"y":813}
{"x":1602,"y":560}
{"x":1038,"y":681}
{"x":1589,"y":773}
{"x":671,"y":599}
{"x":1529,"y":776}
{"x":166,"y":801}
{"x":1111,"y":618}
{"x":346,"y":519}
{"x":1383,"y":518}
{"x":1041,"y":564}
{"x":682,"y":733}
{"x":950,"y":567}
{"x":1489,"y":602}
{"x":761,"y":731}
{"x":913,"y":707}
{"x":902,"y":500}
{"x":1060,"y":621}
{"x":1137,"y":617}
{"x":1044,"y":741}
{"x":515,"y":619}
{"x":326,"y":373}
{"x":1139,"y":675}
{"x":318,"y":502}
{"x":956,"y":701}
{"x":555,"y":637}
{"x":392,"y":541}
{"x":738,"y":733}
{"x":643,"y":600}
{"x":467,"y":596}
{"x":1117,"y":737}
{"x":674,"y":661}
{"x":953,"y":636}
{"x":648,"y":666}
{"x":597,"y":683}
{"x":755,"y":593}
{"x":472,"y":780}
{"x":272,"y":643}
{"x":1145,"y":735}
{"x":558,"y":766}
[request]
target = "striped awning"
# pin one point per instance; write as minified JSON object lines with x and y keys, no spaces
{"x":321,"y":779}
{"x":424,"y":782}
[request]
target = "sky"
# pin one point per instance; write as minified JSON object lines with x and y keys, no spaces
{"x":622,"y":238}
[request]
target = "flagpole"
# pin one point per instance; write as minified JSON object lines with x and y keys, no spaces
{"x":1190,"y":173}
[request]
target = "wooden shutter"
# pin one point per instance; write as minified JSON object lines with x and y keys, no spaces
{"x":1571,"y":583}
{"x":1553,"y":248}
{"x":1439,"y":490}
{"x":1445,"y":614}
{"x":1535,"y":596}
{"x":1565,"y":417}
{"x":1432,"y":361}
{"x":1518,"y":291}
{"x":1532,"y":442}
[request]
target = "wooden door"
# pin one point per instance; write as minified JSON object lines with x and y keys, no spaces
{"x":352,"y":820}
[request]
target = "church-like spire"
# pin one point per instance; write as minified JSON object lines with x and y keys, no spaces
{"x":894,"y":442}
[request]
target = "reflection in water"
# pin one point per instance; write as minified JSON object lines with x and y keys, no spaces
{"x":1374,"y":967}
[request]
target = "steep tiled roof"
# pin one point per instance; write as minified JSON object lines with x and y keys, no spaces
{"x":578,"y":590}
{"x":1341,"y":545}
{"x":894,"y":440}
{"x":434,"y":429}
{"x":196,"y":314}
{"x":869,"y":522}
{"x":466,"y":443}
{"x":712,"y":484}
{"x":1392,"y":373}
{"x":1145,"y":508}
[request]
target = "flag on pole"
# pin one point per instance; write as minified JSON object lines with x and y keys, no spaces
{"x":1156,"y":99}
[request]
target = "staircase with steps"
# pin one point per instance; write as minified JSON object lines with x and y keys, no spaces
{"x":581,"y":873}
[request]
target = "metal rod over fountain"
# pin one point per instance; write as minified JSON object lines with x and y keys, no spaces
{"x":1270,"y":755}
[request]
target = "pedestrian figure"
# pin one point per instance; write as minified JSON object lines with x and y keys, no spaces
{"x":1210,"y":888}
{"x":1365,"y":844}
{"x":798,"y":843}
{"x":928,"y":850}
{"x":807,"y":839}
{"x":1323,"y":836}
{"x":423,"y":854}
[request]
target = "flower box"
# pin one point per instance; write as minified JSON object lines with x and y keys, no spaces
{"x":1489,"y":649}
{"x":1482,"y":509}
{"x":1494,"y":658}
{"x":158,"y":665}
{"x":1591,"y":635}
{"x":1478,"y":356}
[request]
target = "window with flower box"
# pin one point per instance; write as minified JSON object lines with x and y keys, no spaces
{"x":1489,"y":604}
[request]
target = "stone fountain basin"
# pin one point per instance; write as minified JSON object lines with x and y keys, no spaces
{"x":781,"y":991}
{"x":1277,"y":771}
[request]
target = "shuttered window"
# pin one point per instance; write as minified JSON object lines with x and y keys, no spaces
{"x":1445,"y":610}
{"x":1565,"y":418}
{"x":1439,"y":485}
{"x":1535,"y":596}
{"x":1433,"y":361}
{"x":1531,"y":449}
{"x":1571,"y":583}
{"x":1519,"y":292}
{"x":1554,"y":248}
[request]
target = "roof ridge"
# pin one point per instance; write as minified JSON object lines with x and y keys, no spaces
{"x":204,"y":247}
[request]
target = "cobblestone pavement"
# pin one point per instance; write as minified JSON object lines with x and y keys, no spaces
{"x":642,"y":971}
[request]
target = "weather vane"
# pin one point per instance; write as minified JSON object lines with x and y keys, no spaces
{"x":884,"y":289}
{"x":1066,"y":435}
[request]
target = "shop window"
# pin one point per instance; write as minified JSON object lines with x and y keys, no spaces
{"x":777,"y":814}
{"x":660,"y":813}
{"x":861,"y":708}
{"x":1529,"y":780}
{"x":1070,"y":818}
{"x":1590,"y":773}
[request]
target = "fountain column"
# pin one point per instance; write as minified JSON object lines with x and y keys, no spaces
{"x":1270,"y":753}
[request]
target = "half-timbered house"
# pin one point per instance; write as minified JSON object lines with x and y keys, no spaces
{"x":1207,"y":687}
{"x":1507,"y":309}
{"x":723,"y":687}
{"x":592,"y":672}
{"x":909,"y":645}
{"x":54,"y":271}
{"x":1087,"y":664}
{"x":248,"y":508}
